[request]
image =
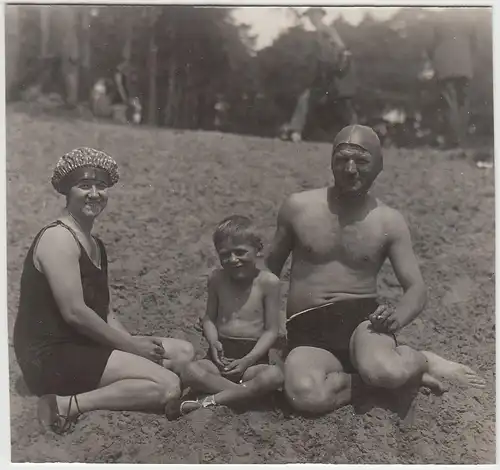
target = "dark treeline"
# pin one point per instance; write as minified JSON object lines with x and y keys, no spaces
{"x":191,"y":59}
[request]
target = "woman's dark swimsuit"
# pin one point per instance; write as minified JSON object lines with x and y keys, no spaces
{"x":330,"y":327}
{"x":54,"y":357}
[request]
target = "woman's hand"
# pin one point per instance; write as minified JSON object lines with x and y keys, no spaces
{"x":149,"y":347}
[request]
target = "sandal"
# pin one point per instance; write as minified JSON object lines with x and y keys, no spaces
{"x":50,"y":418}
{"x":201,"y":403}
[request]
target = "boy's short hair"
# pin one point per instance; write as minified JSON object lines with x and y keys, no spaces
{"x":237,"y":226}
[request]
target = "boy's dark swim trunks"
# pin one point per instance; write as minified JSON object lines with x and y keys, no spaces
{"x":236,"y":348}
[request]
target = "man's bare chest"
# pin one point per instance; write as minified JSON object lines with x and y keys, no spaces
{"x":322,"y":237}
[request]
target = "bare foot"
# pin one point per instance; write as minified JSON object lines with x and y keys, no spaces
{"x":453,"y":371}
{"x":436,"y":386}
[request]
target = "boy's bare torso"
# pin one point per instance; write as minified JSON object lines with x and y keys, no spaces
{"x":240,"y":308}
{"x":334,"y":256}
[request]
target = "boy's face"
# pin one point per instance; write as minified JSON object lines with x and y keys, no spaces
{"x":238,"y":258}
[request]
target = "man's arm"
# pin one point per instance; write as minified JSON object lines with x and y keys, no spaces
{"x":405,"y":265}
{"x":282,"y":243}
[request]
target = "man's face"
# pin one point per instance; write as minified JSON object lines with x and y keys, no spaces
{"x":354,"y":169}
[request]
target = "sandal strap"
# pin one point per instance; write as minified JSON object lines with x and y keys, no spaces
{"x":77,"y":408}
{"x":208,"y":401}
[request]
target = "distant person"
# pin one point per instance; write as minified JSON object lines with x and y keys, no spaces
{"x":452,"y":46}
{"x":340,"y":339}
{"x":241,"y":323}
{"x":333,"y":82}
{"x":73,"y":351}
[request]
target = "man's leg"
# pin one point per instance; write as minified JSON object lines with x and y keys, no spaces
{"x":381,"y":363}
{"x":315,"y":381}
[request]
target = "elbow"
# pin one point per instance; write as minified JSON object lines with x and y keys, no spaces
{"x":72,"y":316}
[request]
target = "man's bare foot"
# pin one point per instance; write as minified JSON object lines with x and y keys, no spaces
{"x":436,"y":386}
{"x":453,"y":371}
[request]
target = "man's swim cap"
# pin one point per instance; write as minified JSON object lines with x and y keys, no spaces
{"x":363,"y":136}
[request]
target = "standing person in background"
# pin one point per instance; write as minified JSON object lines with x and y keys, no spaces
{"x":333,"y":79}
{"x":452,"y":47}
{"x":125,"y":81}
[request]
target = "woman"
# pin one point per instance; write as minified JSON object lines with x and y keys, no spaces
{"x":73,"y":351}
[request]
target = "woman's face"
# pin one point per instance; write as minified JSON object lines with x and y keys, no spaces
{"x":87,"y":198}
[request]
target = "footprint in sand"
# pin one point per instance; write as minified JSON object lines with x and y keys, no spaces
{"x":453,"y":371}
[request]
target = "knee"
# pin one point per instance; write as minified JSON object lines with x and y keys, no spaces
{"x":304,"y":393}
{"x":272,"y":378}
{"x":384,"y":374}
{"x":184,"y":352}
{"x":191,"y":371}
{"x":168,"y":388}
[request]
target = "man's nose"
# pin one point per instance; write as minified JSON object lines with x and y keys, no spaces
{"x":351,"y":167}
{"x":94,"y":192}
{"x":233,"y":258}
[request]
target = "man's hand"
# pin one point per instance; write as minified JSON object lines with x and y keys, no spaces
{"x":237,"y":367}
{"x":385,"y":320}
{"x":149,"y":347}
{"x":217,"y":353}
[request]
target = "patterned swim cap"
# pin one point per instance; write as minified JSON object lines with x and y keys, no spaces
{"x":80,"y":158}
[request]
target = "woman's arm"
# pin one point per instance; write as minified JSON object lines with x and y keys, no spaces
{"x":115,"y":323}
{"x":58,"y":256}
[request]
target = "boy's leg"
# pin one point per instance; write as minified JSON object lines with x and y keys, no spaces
{"x":204,"y":376}
{"x":257,"y":380}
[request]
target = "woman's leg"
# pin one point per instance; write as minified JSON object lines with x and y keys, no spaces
{"x":128,"y":383}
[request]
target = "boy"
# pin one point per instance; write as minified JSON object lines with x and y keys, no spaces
{"x":241,"y":323}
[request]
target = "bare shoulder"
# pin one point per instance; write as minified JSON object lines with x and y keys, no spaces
{"x":57,"y":240}
{"x":393,"y":221}
{"x":215,"y":277}
{"x":268,"y":281}
{"x":305,"y":198}
{"x":297,"y":202}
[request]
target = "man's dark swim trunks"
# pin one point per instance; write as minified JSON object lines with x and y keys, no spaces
{"x":330,"y":327}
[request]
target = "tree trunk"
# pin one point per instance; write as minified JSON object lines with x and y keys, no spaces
{"x":12,"y":40}
{"x":45,"y":31}
{"x":85,"y":31}
{"x":171,"y":92}
{"x":152,"y":73}
{"x":70,"y":53}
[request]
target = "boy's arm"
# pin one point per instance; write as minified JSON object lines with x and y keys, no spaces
{"x":271,"y":319}
{"x":210,"y":318}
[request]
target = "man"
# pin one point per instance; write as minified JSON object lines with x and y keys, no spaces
{"x":333,"y":82}
{"x":339,"y":237}
{"x":452,"y":46}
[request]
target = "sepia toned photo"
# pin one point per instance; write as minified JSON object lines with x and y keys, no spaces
{"x":250,"y":234}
